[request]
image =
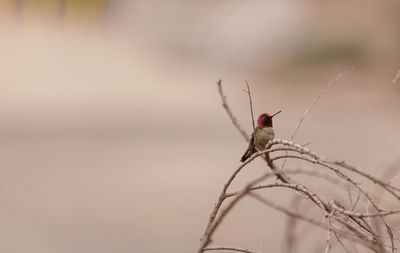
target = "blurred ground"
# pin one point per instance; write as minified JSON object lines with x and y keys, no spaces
{"x":112,"y":137}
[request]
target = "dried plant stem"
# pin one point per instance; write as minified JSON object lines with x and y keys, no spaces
{"x":229,"y":248}
{"x":387,"y":186}
{"x":230,"y":114}
{"x":308,"y":110}
{"x":328,"y":240}
{"x":286,"y":211}
{"x":396,"y":77}
{"x":310,"y":107}
{"x":340,"y":242}
{"x":251,"y":105}
{"x":360,"y":215}
{"x":290,"y":241}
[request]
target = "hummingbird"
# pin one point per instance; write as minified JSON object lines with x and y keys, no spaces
{"x":261,"y":135}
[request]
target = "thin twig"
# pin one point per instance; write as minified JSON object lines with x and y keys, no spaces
{"x":396,"y":77}
{"x":340,"y":241}
{"x":314,"y":102}
{"x":352,"y":209}
{"x":313,"y":196}
{"x":251,"y":105}
{"x":230,"y":114}
{"x":290,"y":242}
{"x":287,"y":211}
{"x":229,"y":248}
{"x":357,"y":214}
{"x":308,"y":110}
{"x":388,"y":187}
{"x":328,"y":240}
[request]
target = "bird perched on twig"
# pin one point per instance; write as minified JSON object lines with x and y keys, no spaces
{"x":261,"y":135}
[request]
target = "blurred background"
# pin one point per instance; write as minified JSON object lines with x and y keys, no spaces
{"x":112,"y":134}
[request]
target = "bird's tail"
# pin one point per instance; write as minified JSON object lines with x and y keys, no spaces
{"x":247,"y":154}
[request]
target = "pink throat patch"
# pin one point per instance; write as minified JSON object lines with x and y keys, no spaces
{"x":260,"y":119}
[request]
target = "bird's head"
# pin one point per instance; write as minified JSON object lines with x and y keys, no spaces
{"x":265,"y":120}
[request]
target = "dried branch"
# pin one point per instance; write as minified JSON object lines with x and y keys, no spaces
{"x":290,"y":239}
{"x":387,"y":186}
{"x":313,"y":196}
{"x":286,"y":211}
{"x":251,"y":105}
{"x":230,"y":114}
{"x":340,"y":242}
{"x":229,"y":248}
{"x":396,"y":77}
{"x":360,"y":215}
{"x":308,"y":110}
{"x":328,"y":240}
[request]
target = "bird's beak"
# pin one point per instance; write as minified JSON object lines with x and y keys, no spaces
{"x":275,"y":113}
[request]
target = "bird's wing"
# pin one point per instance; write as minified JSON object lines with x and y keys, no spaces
{"x":250,"y":150}
{"x":251,"y":142}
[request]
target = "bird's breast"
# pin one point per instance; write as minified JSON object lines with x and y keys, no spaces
{"x":263,"y":136}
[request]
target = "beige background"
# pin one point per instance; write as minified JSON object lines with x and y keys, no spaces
{"x":112,"y":134}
